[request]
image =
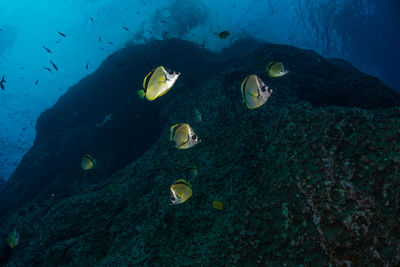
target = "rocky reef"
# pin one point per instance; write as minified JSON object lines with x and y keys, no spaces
{"x":311,"y":177}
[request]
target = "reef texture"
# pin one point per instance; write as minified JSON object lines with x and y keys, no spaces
{"x":310,"y":178}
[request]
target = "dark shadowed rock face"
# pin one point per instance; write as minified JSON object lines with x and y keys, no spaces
{"x":300,"y":183}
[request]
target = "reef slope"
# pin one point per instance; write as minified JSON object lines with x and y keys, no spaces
{"x":311,"y":177}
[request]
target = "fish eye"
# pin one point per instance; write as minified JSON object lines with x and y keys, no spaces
{"x":264,"y":88}
{"x":172,"y":199}
{"x":171,"y":72}
{"x":194,"y":137}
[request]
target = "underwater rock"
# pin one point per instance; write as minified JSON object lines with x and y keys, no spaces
{"x":301,"y":183}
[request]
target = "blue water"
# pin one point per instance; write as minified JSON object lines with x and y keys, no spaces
{"x":364,"y":32}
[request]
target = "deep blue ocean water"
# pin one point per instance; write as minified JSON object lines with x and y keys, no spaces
{"x":81,"y":34}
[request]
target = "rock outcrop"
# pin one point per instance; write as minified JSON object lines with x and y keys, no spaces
{"x":311,"y":177}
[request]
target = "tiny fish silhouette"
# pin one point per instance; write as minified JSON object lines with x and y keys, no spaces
{"x":125,"y":28}
{"x":2,"y":83}
{"x":36,"y":82}
{"x":48,"y":50}
{"x":54,"y":65}
{"x":100,"y":39}
{"x":87,"y":65}
{"x":62,"y":34}
{"x":91,"y":19}
{"x":46,"y":68}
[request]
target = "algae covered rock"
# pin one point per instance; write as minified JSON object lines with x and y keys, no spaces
{"x":309,"y":178}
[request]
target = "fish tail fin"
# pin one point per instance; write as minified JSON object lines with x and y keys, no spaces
{"x":141,"y":93}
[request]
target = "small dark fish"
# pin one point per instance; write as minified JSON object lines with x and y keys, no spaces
{"x":163,"y":21}
{"x":54,"y":65}
{"x":36,"y":82}
{"x":87,"y":65}
{"x":46,"y":68}
{"x":62,"y":34}
{"x":149,"y":31}
{"x":2,"y":83}
{"x":91,"y":19}
{"x":137,"y":12}
{"x":111,"y":43}
{"x":48,"y":50}
{"x":223,"y":35}
{"x":100,"y":39}
{"x":23,"y":129}
{"x":165,"y":35}
{"x":125,"y":28}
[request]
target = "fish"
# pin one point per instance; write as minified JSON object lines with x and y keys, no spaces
{"x":36,"y":82}
{"x":87,"y":65}
{"x":54,"y":65}
{"x":48,"y":50}
{"x":198,"y":115}
{"x":276,"y":69}
{"x":106,"y":119}
{"x":165,"y":35}
{"x":111,"y":43}
{"x":183,"y":136}
{"x":2,"y":83}
{"x":158,"y":82}
{"x":91,"y":19}
{"x":223,"y":35}
{"x":46,"y":68}
{"x":125,"y":28}
{"x":180,"y":191}
{"x":88,"y":162}
{"x":163,"y":21}
{"x":62,"y":34}
{"x":13,"y":238}
{"x":100,"y":39}
{"x":217,"y":205}
{"x":254,"y":92}
{"x":137,"y":12}
{"x":190,"y":172}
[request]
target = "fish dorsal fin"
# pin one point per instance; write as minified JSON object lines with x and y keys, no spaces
{"x":172,"y":130}
{"x":147,"y":80}
{"x":184,"y":182}
{"x":243,"y":87}
{"x":89,"y":158}
{"x":270,"y":65}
